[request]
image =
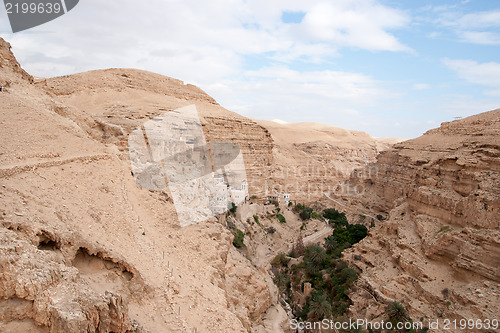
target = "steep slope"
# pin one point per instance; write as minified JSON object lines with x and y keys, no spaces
{"x":83,"y":248}
{"x":109,"y":104}
{"x":439,"y":249}
{"x":311,"y":159}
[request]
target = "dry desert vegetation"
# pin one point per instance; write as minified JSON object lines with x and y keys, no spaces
{"x":376,"y":229}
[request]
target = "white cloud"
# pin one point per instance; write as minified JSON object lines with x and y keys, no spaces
{"x":477,"y":28}
{"x":463,"y":105}
{"x":421,"y":86}
{"x":435,"y":34}
{"x":332,"y":85}
{"x":333,"y":97}
{"x":362,"y":24}
{"x":480,"y":20}
{"x":481,"y":37}
{"x":188,"y":38}
{"x":486,"y":74}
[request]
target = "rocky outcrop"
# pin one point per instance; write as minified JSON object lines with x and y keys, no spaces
{"x":242,"y":281}
{"x":37,"y":282}
{"x":9,"y":62}
{"x":254,"y":141}
{"x":83,"y":248}
{"x":439,"y":246}
{"x":450,"y":173}
{"x":110,"y":104}
{"x":311,"y":159}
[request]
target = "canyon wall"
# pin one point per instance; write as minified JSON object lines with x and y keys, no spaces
{"x":83,"y":248}
{"x":109,"y":104}
{"x":438,"y":248}
{"x":311,"y":159}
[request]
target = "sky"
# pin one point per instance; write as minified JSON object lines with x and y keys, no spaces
{"x":391,"y":68}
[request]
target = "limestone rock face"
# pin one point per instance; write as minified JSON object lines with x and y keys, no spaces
{"x":254,"y":141}
{"x":82,"y":247}
{"x":439,"y":246}
{"x":8,"y":61}
{"x":246,"y":288}
{"x":110,"y":104}
{"x":37,"y":285}
{"x":451,"y":173}
{"x":311,"y":159}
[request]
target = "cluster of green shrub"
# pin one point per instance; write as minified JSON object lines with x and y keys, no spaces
{"x":305,"y":213}
{"x":335,"y":217}
{"x":330,"y":278}
{"x":322,"y":267}
{"x":271,"y":230}
{"x":343,"y":237}
{"x":238,"y":240}
{"x":396,"y":313}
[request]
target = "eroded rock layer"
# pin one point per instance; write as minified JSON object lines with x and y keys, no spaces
{"x":438,"y":250}
{"x":82,"y":247}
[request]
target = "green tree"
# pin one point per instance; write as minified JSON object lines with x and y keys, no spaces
{"x":314,"y":258}
{"x":271,"y":230}
{"x":298,"y":248}
{"x":330,"y":213}
{"x":320,"y":307}
{"x":281,"y":280}
{"x":341,"y":236}
{"x":348,"y":275}
{"x":356,"y":232}
{"x":335,"y":217}
{"x":233,"y":208}
{"x":330,"y":244}
{"x":396,"y":312}
{"x":280,"y":259}
{"x":305,"y":214}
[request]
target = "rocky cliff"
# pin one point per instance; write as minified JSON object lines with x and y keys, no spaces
{"x":311,"y":159}
{"x":109,"y":104}
{"x":83,"y":248}
{"x":438,"y":250}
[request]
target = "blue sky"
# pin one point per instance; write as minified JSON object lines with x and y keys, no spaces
{"x":387,"y":67}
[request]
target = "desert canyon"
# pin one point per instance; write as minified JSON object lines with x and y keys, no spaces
{"x":84,"y":249}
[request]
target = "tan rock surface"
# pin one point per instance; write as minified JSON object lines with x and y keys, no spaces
{"x":439,"y":249}
{"x":109,"y":104}
{"x":83,"y":247}
{"x":311,"y":159}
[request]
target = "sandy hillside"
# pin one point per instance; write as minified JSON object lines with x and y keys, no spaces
{"x":83,"y":248}
{"x":109,"y":104}
{"x":311,"y":159}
